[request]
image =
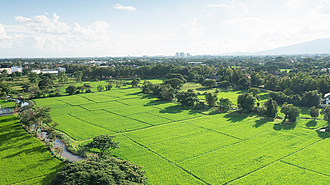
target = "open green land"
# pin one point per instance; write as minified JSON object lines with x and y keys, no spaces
{"x":23,"y":158}
{"x":176,"y":145}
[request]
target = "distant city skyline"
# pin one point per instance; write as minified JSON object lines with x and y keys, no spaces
{"x":119,"y":28}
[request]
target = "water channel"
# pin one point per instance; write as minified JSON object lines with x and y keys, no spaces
{"x":66,"y":154}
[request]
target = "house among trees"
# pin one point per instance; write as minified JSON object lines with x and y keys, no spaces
{"x":325,"y":100}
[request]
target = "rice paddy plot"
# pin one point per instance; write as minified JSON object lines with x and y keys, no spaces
{"x":149,"y":118}
{"x":314,"y":158}
{"x":98,"y":97}
{"x":163,"y":132}
{"x":189,"y":146}
{"x":6,"y":104}
{"x":23,"y":157}
{"x":50,"y":102}
{"x":77,"y":129}
{"x":158,"y":170}
{"x":247,"y":156}
{"x":134,"y":110}
{"x":112,"y":105}
{"x":176,"y":113}
{"x":138,"y":101}
{"x":75,"y":100}
{"x":110,"y":121}
{"x":281,"y":173}
{"x":56,"y":111}
{"x":249,"y":128}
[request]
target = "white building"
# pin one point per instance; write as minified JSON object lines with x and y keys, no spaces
{"x":38,"y":71}
{"x":61,"y":69}
{"x":325,"y":100}
{"x":16,"y":69}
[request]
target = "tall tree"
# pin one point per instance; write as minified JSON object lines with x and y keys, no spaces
{"x":246,"y":102}
{"x":104,"y":143}
{"x":111,"y":171}
{"x":78,"y":75}
{"x":314,"y":112}
{"x":225,"y":104}
{"x":211,"y":99}
{"x":271,"y":108}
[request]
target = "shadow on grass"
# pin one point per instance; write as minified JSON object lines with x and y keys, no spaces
{"x":11,"y":118}
{"x":174,"y":109}
{"x":235,"y":117}
{"x":40,"y":149}
{"x":323,"y":135}
{"x":311,"y":124}
{"x":285,"y":126}
{"x":203,"y":89}
{"x":261,"y":121}
{"x":156,"y":102}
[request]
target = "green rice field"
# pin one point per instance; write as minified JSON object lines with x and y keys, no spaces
{"x":23,"y":158}
{"x":176,"y":145}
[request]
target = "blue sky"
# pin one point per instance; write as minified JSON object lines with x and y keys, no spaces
{"x":37,"y":28}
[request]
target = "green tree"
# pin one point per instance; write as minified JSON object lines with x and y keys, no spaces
{"x":225,"y":104}
{"x":246,"y":102}
{"x":167,"y":92}
{"x":135,"y":82}
{"x":326,"y":112}
{"x":108,"y":87}
{"x":209,"y":83}
{"x":33,"y":78}
{"x":314,"y":112}
{"x":111,"y":171}
{"x":311,"y":98}
{"x":188,"y":98}
{"x":100,"y":88}
{"x":211,"y":99}
{"x":35,"y":116}
{"x":255,"y":93}
{"x":45,"y":83}
{"x":271,"y":108}
{"x":291,"y":112}
{"x":104,"y":143}
{"x":176,"y":83}
{"x":62,"y":78}
{"x":71,"y":89}
{"x":78,"y":75}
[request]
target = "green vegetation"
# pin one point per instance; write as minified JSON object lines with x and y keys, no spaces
{"x":177,"y":145}
{"x":24,"y":159}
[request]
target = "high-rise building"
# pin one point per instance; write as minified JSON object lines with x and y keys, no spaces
{"x":177,"y":54}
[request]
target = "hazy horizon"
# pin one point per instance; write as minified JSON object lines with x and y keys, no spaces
{"x":119,"y":28}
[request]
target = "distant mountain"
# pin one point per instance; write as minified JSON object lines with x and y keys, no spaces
{"x":319,"y":46}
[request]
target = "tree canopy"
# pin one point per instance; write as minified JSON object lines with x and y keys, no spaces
{"x":111,"y":171}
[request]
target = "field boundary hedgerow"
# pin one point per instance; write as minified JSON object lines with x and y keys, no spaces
{"x":167,"y":160}
{"x":278,"y":160}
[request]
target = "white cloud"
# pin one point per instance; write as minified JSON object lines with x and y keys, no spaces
{"x":3,"y":34}
{"x":124,"y":7}
{"x":42,"y":24}
{"x":294,"y":4}
{"x":324,"y":7}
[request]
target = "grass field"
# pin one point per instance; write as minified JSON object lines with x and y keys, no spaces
{"x":23,"y":158}
{"x":176,"y":145}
